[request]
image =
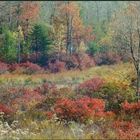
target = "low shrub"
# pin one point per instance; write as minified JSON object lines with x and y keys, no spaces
{"x":62,"y":62}
{"x":46,"y":88}
{"x":79,"y":110}
{"x":10,"y":93}
{"x":25,"y":68}
{"x":90,"y":87}
{"x":56,"y":66}
{"x":28,"y":99}
{"x":66,"y":92}
{"x":5,"y":109}
{"x":18,"y":69}
{"x":114,"y":95}
{"x":134,"y":107}
{"x":50,"y":93}
{"x":31,"y":68}
{"x":107,"y":58}
{"x":80,"y":61}
{"x":131,"y":110}
{"x":3,"y":68}
{"x":86,"y":61}
{"x":113,"y":90}
{"x":126,"y":129}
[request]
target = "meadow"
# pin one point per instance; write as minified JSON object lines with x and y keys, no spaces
{"x":95,"y":103}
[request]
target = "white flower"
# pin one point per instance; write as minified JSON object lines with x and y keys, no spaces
{"x":15,"y":122}
{"x":13,"y":132}
{"x":3,"y":132}
{"x":2,"y":113}
{"x":6,"y":125}
{"x":18,"y":131}
{"x":24,"y":133}
{"x":1,"y":126}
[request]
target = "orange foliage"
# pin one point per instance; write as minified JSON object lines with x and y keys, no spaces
{"x":126,"y":130}
{"x":131,"y":106}
{"x":30,"y":11}
{"x":80,"y":32}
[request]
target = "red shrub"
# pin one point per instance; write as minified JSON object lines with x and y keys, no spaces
{"x":26,"y":68}
{"x":46,"y":88}
{"x":86,"y":61}
{"x":32,"y":95}
{"x":10,"y":93}
{"x":131,"y":106}
{"x":31,"y":66}
{"x":14,"y":67}
{"x":49,"y":114}
{"x":62,"y":61}
{"x":3,"y":67}
{"x":91,"y":86}
{"x":126,"y":130}
{"x":80,"y":61}
{"x":124,"y":125}
{"x":79,"y":109}
{"x":131,"y":110}
{"x":56,"y":66}
{"x":29,"y":98}
{"x":5,"y":109}
{"x":107,"y":58}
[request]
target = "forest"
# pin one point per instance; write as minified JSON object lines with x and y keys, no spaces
{"x":69,"y":70}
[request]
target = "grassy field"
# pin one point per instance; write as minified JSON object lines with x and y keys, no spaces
{"x":69,"y":78}
{"x":18,"y":91}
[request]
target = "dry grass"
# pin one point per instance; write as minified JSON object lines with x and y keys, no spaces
{"x":68,"y":77}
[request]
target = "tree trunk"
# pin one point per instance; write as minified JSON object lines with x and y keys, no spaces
{"x":97,"y":11}
{"x":138,"y":84}
{"x":18,"y":54}
{"x":108,"y":12}
{"x":67,"y":36}
{"x":136,"y":61}
{"x":69,"y":33}
{"x":0,"y":27}
{"x":138,"y":68}
{"x":26,"y":29}
{"x":36,"y":49}
{"x":70,"y":43}
{"x":10,"y":17}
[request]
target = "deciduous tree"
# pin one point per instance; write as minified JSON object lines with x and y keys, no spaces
{"x":126,"y":32}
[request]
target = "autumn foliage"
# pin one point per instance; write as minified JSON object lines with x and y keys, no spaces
{"x":3,"y":67}
{"x":5,"y":109}
{"x":131,"y":106}
{"x":27,"y":99}
{"x":56,"y":66}
{"x":107,"y":58}
{"x":126,"y":130}
{"x":91,"y":86}
{"x":30,"y":11}
{"x":69,"y":70}
{"x":26,"y":68}
{"x":131,"y":110}
{"x":80,"y":109}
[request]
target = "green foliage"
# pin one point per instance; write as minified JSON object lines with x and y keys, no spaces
{"x":41,"y":39}
{"x":8,"y":45}
{"x":100,"y":30}
{"x":93,"y":48}
{"x":115,"y":95}
{"x":25,"y":46}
